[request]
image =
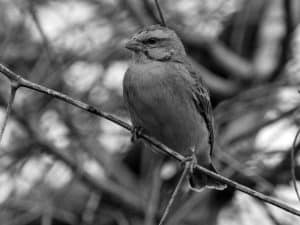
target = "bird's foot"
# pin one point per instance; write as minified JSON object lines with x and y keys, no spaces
{"x":190,"y":162}
{"x":136,"y":133}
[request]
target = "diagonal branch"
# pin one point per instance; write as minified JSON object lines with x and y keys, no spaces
{"x":13,"y":90}
{"x":164,"y":149}
{"x":153,"y":202}
{"x":256,"y":128}
{"x":293,"y":166}
{"x":124,"y":195}
{"x":47,"y":45}
{"x":160,"y":13}
{"x":286,"y":40}
{"x":174,"y":194}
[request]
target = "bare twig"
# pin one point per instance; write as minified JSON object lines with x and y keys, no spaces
{"x":38,"y":208}
{"x":46,"y":42}
{"x":116,"y":169}
{"x":162,"y":19}
{"x":286,"y":40}
{"x":269,"y":213}
{"x":137,"y":12}
{"x":174,"y":194}
{"x":164,"y":149}
{"x":154,"y":198}
{"x":239,"y":168}
{"x":23,"y":219}
{"x":293,"y":151}
{"x":13,"y":90}
{"x":256,"y":128}
{"x":185,"y":208}
{"x":123,"y":195}
{"x":47,"y":216}
{"x":88,"y":216}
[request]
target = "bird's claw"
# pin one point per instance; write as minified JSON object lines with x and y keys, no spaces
{"x":190,"y":162}
{"x":136,"y":133}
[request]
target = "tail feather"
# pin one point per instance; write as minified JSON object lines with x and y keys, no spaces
{"x":198,"y":180}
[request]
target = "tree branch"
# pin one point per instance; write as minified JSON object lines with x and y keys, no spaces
{"x":108,"y":186}
{"x":293,"y":163}
{"x":286,"y":40}
{"x":164,"y":149}
{"x":13,"y":90}
{"x":175,"y":193}
{"x":138,"y":12}
{"x":256,"y":128}
{"x":160,"y":13}
{"x":153,"y":201}
{"x":46,"y":42}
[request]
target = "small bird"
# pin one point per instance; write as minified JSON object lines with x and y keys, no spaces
{"x":168,"y":100}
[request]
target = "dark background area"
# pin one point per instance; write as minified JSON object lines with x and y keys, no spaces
{"x":248,"y":55}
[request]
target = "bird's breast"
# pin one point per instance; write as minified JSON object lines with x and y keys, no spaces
{"x":159,"y":100}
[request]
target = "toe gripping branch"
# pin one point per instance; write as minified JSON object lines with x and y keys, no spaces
{"x":136,"y":133}
{"x":190,"y":162}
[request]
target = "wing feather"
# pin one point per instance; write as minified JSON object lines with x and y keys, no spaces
{"x":202,"y":101}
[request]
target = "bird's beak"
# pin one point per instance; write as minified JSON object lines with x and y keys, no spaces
{"x":133,"y":45}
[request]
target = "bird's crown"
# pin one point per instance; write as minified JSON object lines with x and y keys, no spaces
{"x":155,"y":31}
{"x":156,"y":43}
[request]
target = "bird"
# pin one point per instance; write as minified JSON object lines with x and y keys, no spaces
{"x":168,"y":100}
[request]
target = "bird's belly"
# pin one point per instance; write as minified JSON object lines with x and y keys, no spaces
{"x":168,"y":114}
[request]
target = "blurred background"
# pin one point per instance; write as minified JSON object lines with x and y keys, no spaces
{"x":63,"y":166}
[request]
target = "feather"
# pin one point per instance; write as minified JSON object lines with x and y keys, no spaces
{"x":202,"y":101}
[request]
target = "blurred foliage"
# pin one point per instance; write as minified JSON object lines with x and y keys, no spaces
{"x":248,"y":54}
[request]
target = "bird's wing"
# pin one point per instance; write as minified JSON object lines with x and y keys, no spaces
{"x":202,"y":101}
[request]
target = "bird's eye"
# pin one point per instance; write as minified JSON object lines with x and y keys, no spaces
{"x":150,"y":41}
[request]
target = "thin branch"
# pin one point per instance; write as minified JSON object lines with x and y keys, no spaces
{"x":38,"y":207}
{"x":162,"y":19}
{"x":150,"y":10}
{"x":164,"y":149}
{"x":47,"y":45}
{"x":13,"y":90}
{"x":256,"y":128}
{"x":47,"y":216}
{"x":123,"y":195}
{"x":89,"y":212}
{"x":293,"y":164}
{"x":137,"y":12}
{"x":39,"y":88}
{"x":238,"y":167}
{"x":155,"y":194}
{"x":286,"y":40}
{"x":23,"y":219}
{"x":184,"y":209}
{"x":174,"y":194}
{"x":269,"y":213}
{"x":116,"y":169}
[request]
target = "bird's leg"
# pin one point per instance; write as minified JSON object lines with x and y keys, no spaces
{"x":191,"y":161}
{"x":136,"y":133}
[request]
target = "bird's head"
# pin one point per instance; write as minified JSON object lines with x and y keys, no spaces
{"x":156,"y":43}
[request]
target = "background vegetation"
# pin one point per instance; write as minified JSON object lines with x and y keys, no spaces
{"x":248,"y":52}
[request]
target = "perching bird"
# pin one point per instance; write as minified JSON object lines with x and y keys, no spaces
{"x":167,"y":99}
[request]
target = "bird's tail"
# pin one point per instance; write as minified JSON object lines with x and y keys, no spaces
{"x":198,"y":180}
